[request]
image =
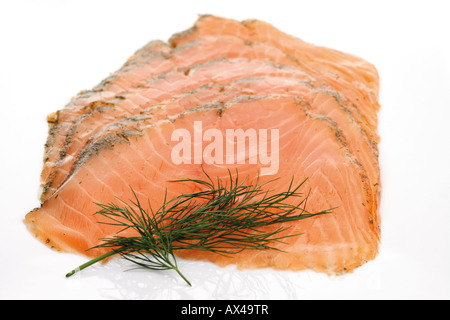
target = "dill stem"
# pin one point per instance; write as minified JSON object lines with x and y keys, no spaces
{"x":181,"y":275}
{"x":91,"y":262}
{"x":109,"y":254}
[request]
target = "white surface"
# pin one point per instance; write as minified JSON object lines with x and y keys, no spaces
{"x":51,"y":50}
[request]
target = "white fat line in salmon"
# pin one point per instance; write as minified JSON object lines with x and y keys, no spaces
{"x":193,"y":151}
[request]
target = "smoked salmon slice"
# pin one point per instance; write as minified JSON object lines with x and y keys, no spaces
{"x":224,"y":74}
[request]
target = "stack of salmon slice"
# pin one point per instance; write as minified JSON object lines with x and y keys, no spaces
{"x":224,"y":74}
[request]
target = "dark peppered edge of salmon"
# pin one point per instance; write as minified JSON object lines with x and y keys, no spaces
{"x":93,"y":107}
{"x":369,"y":188}
{"x":140,"y":57}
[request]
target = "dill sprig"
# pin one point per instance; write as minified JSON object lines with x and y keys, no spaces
{"x":223,"y":218}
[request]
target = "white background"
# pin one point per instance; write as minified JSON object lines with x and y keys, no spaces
{"x":51,"y":50}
